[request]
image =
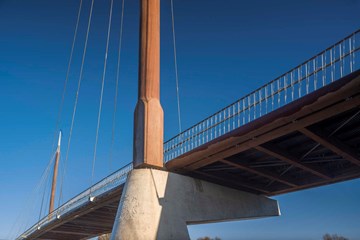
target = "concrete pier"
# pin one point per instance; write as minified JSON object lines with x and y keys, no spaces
{"x":159,"y":205}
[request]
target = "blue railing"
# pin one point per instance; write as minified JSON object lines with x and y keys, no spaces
{"x":326,"y":67}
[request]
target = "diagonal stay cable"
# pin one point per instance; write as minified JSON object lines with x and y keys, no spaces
{"x":22,"y":221}
{"x":46,"y":177}
{"x":58,"y":120}
{"x":175,"y":64}
{"x":117,"y":84}
{"x":67,"y":75}
{"x":76,"y":99}
{"x":102,"y":93}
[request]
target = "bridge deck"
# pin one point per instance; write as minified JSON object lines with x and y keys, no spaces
{"x":298,"y":131}
{"x":90,"y":220}
{"x":311,"y":142}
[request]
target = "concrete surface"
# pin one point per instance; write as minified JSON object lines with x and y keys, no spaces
{"x":157,"y":204}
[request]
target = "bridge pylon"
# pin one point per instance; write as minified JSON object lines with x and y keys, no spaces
{"x":156,"y":204}
{"x":149,"y":116}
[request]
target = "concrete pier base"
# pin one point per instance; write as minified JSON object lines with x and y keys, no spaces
{"x":157,"y":204}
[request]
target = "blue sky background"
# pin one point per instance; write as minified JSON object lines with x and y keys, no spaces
{"x":225,"y":50}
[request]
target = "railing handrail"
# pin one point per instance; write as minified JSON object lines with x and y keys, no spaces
{"x":268,"y":83}
{"x":248,"y":95}
{"x":51,"y":216}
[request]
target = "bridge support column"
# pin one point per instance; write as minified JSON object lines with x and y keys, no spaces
{"x":157,"y":204}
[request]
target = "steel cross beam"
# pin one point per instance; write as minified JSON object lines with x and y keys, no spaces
{"x":333,"y":144}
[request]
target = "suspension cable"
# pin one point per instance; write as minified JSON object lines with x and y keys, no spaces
{"x":117,"y":84}
{"x":58,"y":120}
{"x":67,"y":75}
{"x":175,"y":64}
{"x":22,"y":220}
{"x":76,"y":100}
{"x":102,"y":92}
{"x":42,"y":204}
{"x":45,"y":178}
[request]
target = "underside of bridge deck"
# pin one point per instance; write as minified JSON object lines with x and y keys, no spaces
{"x":311,"y":142}
{"x":90,"y":220}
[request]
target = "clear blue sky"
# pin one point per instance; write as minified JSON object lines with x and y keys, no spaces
{"x":225,"y":49}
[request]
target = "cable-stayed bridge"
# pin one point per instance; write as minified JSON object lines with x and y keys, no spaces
{"x":299,"y":131}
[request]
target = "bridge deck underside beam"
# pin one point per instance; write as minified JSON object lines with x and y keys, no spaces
{"x":90,"y":220}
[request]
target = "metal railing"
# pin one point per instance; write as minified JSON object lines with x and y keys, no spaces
{"x":114,"y":180}
{"x":317,"y":72}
